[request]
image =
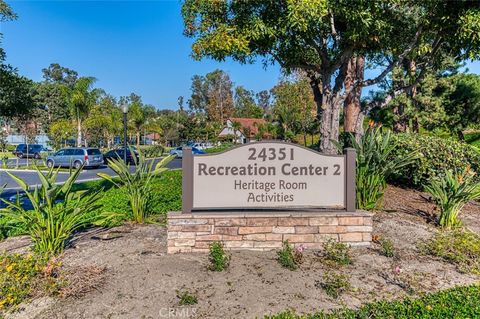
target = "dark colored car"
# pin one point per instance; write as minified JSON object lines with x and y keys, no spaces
{"x":32,"y":150}
{"x":119,"y":153}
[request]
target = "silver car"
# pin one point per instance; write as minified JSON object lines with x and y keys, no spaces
{"x":76,"y":157}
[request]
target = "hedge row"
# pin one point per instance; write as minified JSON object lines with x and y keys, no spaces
{"x":435,"y":156}
{"x":459,"y":302}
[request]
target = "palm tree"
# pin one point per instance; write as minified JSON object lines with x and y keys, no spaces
{"x":236,"y":126}
{"x":82,"y":98}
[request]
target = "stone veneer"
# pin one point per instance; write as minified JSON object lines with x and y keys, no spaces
{"x":266,"y":230}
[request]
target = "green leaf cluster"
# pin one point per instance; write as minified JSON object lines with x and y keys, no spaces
{"x":451,"y":192}
{"x":57,"y":212}
{"x":436,"y":156}
{"x":137,"y":183}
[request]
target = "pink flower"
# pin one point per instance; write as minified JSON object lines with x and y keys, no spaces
{"x":397,"y":270}
{"x":301,"y":248}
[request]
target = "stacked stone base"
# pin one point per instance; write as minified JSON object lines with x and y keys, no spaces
{"x":266,"y":231}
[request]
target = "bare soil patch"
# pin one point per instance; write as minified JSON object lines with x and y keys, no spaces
{"x":131,"y":276}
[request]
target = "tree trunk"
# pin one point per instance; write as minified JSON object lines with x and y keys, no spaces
{"x":400,"y":125}
{"x":413,"y":95}
{"x":328,"y":113}
{"x":329,"y":125}
{"x":79,"y":129}
{"x":353,"y":122}
{"x":138,"y":139}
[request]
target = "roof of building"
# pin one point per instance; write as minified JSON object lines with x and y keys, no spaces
{"x":250,"y":124}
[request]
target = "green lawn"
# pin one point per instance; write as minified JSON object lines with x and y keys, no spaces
{"x":459,"y":302}
{"x":166,"y":194}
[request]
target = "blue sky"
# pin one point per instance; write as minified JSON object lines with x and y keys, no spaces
{"x":129,"y":46}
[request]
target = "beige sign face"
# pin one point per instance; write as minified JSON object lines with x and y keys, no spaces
{"x":268,"y":175}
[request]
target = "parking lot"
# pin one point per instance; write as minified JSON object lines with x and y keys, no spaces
{"x":31,"y":177}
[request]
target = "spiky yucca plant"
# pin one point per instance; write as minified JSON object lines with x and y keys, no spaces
{"x":57,"y":212}
{"x":451,"y":192}
{"x":374,"y":166}
{"x":137,"y":182}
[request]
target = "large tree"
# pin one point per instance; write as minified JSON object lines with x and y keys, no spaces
{"x":245,"y":105}
{"x":212,"y":95}
{"x":16,"y":91}
{"x":321,"y":37}
{"x":82,"y":98}
{"x":6,"y":14}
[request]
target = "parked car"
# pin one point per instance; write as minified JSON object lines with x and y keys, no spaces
{"x":200,"y":146}
{"x":119,"y":153}
{"x":30,"y":150}
{"x":76,"y":157}
{"x":178,"y":151}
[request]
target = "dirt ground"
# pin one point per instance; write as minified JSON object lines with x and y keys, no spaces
{"x":140,"y":280}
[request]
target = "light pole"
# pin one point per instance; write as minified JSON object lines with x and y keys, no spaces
{"x":125,"y":110}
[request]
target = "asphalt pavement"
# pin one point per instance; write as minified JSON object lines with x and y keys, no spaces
{"x":31,"y":177}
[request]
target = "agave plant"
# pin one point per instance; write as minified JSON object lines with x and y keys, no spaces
{"x":375,"y":164}
{"x":137,"y":183}
{"x":451,"y":192}
{"x":57,"y":212}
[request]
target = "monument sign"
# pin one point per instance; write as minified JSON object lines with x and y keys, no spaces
{"x":268,"y":175}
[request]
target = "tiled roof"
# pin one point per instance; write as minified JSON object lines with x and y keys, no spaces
{"x":248,"y":123}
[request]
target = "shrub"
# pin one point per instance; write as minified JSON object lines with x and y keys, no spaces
{"x":375,"y":164}
{"x":20,"y":275}
{"x":186,"y":298}
{"x":217,"y":149}
{"x":337,"y":252}
{"x":460,"y":247}
{"x":219,"y":260}
{"x":57,"y":211}
{"x":388,"y":250}
{"x":436,"y":155}
{"x":152,"y":151}
{"x":458,"y":302}
{"x":451,"y":192}
{"x":137,"y":185}
{"x":334,"y":284}
{"x":289,"y":257}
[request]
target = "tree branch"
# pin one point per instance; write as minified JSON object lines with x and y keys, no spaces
{"x":394,"y":64}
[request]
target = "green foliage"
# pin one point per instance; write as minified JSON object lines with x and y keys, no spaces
{"x":152,"y":151}
{"x":473,"y":138}
{"x":220,"y":148}
{"x":57,"y":211}
{"x":16,"y":93}
{"x":375,"y":164}
{"x":137,"y":185}
{"x":388,"y":250}
{"x":458,"y":302}
{"x":334,"y":284}
{"x":21,"y":275}
{"x":436,"y":155}
{"x":245,"y":105}
{"x":289,"y":257}
{"x":337,"y":252}
{"x":186,"y":298}
{"x":60,"y":131}
{"x":218,"y":258}
{"x":451,"y":192}
{"x":294,"y":108}
{"x":459,"y":247}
